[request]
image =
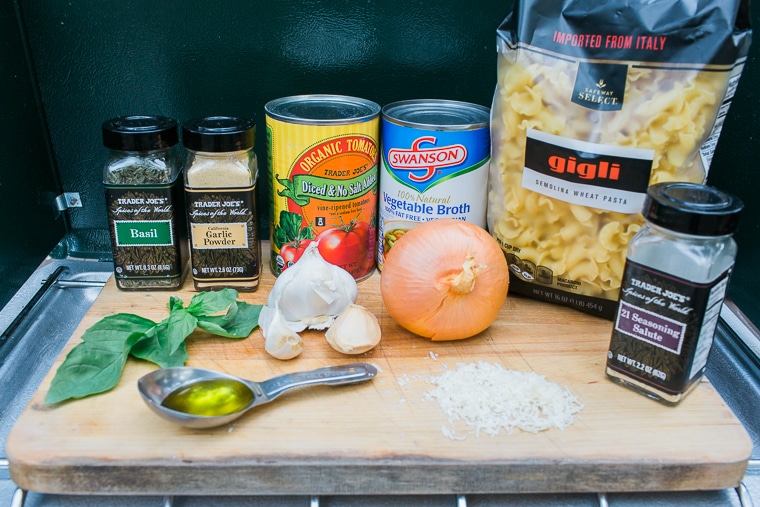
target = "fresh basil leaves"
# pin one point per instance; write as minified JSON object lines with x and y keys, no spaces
{"x":95,"y":364}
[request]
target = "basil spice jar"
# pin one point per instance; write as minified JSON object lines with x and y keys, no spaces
{"x":145,"y":203}
{"x":220,"y":182}
{"x":675,"y":278}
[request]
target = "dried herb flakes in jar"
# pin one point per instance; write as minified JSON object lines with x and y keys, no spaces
{"x":143,"y":196}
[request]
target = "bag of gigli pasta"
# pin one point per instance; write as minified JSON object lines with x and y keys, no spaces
{"x":594,"y":102}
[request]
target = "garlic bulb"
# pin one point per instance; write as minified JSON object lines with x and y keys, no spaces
{"x":309,"y":294}
{"x":281,"y":341}
{"x":356,"y":330}
{"x":312,"y":292}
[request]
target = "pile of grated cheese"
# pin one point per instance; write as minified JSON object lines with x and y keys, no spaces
{"x":489,"y":399}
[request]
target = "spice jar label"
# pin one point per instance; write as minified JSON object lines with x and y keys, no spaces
{"x":220,"y":235}
{"x":664,"y":327}
{"x":145,"y":232}
{"x":223,"y":234}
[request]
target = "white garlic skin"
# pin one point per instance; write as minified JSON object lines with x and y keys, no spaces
{"x":312,"y":292}
{"x":355,"y":331}
{"x":281,"y":341}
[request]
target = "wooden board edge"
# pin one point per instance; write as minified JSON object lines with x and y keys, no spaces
{"x":421,"y":477}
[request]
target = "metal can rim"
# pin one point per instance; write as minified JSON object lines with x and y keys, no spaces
{"x":404,"y":111}
{"x":283,"y":109}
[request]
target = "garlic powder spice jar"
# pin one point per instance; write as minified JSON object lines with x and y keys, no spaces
{"x":675,"y":278}
{"x":220,"y":183}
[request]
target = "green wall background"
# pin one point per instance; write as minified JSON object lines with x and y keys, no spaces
{"x":96,"y":60}
{"x":70,"y":65}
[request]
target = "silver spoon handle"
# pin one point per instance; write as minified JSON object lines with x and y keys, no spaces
{"x":331,"y":375}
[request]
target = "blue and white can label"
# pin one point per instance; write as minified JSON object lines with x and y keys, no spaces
{"x":434,"y":164}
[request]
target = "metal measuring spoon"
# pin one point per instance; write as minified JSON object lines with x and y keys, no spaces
{"x":157,"y":385}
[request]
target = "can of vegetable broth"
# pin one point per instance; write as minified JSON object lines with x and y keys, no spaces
{"x":434,"y":164}
{"x":323,"y":156}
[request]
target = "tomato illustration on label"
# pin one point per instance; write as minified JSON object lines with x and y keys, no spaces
{"x":293,"y":251}
{"x":349,"y":246}
{"x":291,"y":237}
{"x":331,"y":193}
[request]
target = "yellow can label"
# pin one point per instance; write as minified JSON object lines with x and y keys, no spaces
{"x":324,"y":181}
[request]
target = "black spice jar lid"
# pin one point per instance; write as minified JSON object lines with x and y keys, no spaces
{"x":140,"y":133}
{"x":218,"y":134}
{"x":691,"y":208}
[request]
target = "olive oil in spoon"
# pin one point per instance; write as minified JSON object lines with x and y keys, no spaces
{"x":210,"y":397}
{"x":200,"y":398}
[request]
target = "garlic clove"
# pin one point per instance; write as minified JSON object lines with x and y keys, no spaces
{"x":355,"y":330}
{"x":266,"y":316}
{"x":281,"y":341}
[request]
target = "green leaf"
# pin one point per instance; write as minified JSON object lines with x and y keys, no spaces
{"x":290,"y":229}
{"x":161,"y":345}
{"x":95,"y":364}
{"x":87,"y":370}
{"x":209,"y":303}
{"x":291,"y":223}
{"x":175,"y":303}
{"x":153,"y":348}
{"x":180,"y":325}
{"x":307,"y":233}
{"x":279,"y":238}
{"x":220,"y":320}
{"x":241,"y":319}
{"x":116,"y":328}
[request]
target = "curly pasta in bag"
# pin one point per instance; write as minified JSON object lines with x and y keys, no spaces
{"x":592,"y":106}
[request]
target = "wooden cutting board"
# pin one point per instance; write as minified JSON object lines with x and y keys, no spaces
{"x":380,"y":437}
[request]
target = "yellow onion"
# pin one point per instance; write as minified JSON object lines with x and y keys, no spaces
{"x":445,"y":280}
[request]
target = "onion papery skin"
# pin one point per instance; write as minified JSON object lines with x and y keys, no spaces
{"x":416,"y":280}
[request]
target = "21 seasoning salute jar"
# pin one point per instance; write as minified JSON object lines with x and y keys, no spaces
{"x":220,"y":183}
{"x":145,"y":203}
{"x":674,"y":282}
